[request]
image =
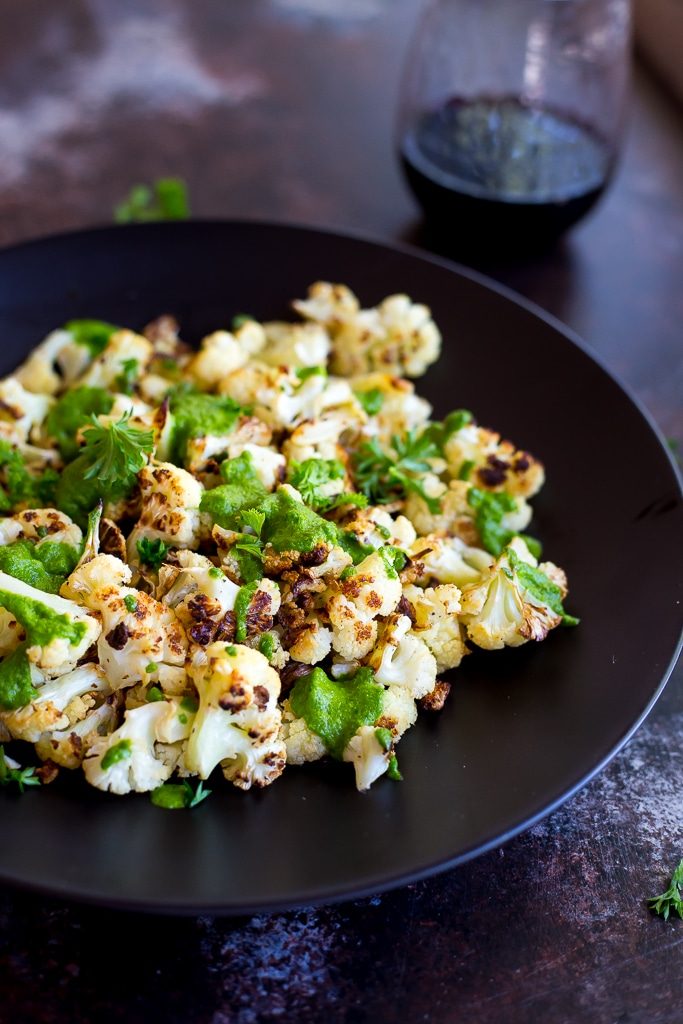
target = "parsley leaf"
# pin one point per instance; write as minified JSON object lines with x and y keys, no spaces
{"x":152,"y":552}
{"x":540,"y":587}
{"x":115,"y":452}
{"x":126,"y":379}
{"x":671,"y":899}
{"x":22,"y":777}
{"x":371,"y":401}
{"x":240,"y":319}
{"x":71,"y":412}
{"x":304,"y":372}
{"x":166,"y":199}
{"x":490,"y":507}
{"x":385,"y":476}
{"x":440,"y":433}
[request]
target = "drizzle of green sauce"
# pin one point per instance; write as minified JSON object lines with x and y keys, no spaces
{"x":121,"y":751}
{"x":44,"y":567}
{"x":16,"y":688}
{"x":196,"y":414}
{"x":92,"y":334}
{"x":242,"y":490}
{"x":242,"y":602}
{"x":172,"y":796}
{"x":71,"y":412}
{"x":292,"y":526}
{"x":335,"y":709}
{"x":39,"y":621}
{"x":266,"y":645}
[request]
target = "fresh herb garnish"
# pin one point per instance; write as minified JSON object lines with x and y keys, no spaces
{"x":154,"y":694}
{"x":490,"y":507}
{"x":131,"y":602}
{"x":71,"y":412}
{"x":312,"y":475}
{"x":115,"y":452}
{"x":266,"y":645}
{"x":383,"y":737}
{"x":394,"y":560}
{"x":240,"y":319}
{"x":465,"y":471}
{"x":152,"y":552}
{"x":671,"y":900}
{"x":540,"y":587}
{"x":441,"y":432}
{"x":174,"y":796}
{"x":385,"y":476}
{"x":165,"y":199}
{"x":126,"y":379}
{"x":371,"y":401}
{"x":305,"y":372}
{"x":91,"y":334}
{"x":21,"y":777}
{"x":393,"y":770}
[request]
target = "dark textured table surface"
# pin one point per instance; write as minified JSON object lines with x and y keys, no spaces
{"x":283,"y":110}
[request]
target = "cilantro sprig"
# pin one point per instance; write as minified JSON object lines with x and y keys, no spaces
{"x":386,"y":476}
{"x":671,"y":900}
{"x":21,"y":777}
{"x":540,"y":587}
{"x":313,"y":475}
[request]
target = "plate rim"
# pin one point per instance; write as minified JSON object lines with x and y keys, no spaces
{"x":345,"y":892}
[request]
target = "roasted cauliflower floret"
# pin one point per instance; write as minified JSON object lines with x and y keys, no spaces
{"x":515,"y":602}
{"x":125,"y":349}
{"x":397,"y":337}
{"x":436,"y":622}
{"x":369,"y":757}
{"x":399,"y":409}
{"x":58,"y":632}
{"x":239,"y":720}
{"x":58,"y":703}
{"x":42,"y":525}
{"x":374,"y":527}
{"x":52,"y":364}
{"x":401,"y":658}
{"x":127,"y":760}
{"x":67,"y":747}
{"x":492,"y":463}
{"x":448,"y":560}
{"x":223,"y":352}
{"x":302,"y":744}
{"x":137,"y":630}
{"x":295,"y":345}
{"x":371,"y":590}
{"x":170,"y":499}
{"x":21,"y":411}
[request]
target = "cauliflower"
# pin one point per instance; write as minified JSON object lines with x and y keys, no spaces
{"x":58,"y":703}
{"x":515,"y":601}
{"x":58,"y":632}
{"x":124,"y":349}
{"x":238,"y":721}
{"x":42,"y":525}
{"x":402,"y":659}
{"x":313,"y":642}
{"x":126,"y":760}
{"x":302,"y":744}
{"x":372,"y":589}
{"x":436,"y":623}
{"x":21,"y":411}
{"x":397,"y":336}
{"x":320,"y":438}
{"x":52,"y":364}
{"x":447,"y":560}
{"x":221,"y":353}
{"x":399,"y":409}
{"x":399,"y":710}
{"x":11,"y":633}
{"x":137,"y":630}
{"x":368,"y":756}
{"x":374,"y":527}
{"x":67,"y":747}
{"x":170,"y":508}
{"x":493,"y":463}
{"x":295,"y":345}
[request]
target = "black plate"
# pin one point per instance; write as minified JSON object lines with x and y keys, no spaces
{"x":523,"y":729}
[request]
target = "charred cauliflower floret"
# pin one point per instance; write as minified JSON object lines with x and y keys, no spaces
{"x":223,"y":352}
{"x":401,"y":658}
{"x":516,"y":601}
{"x":52,"y":364}
{"x":170,"y":499}
{"x":436,"y":622}
{"x":447,"y":560}
{"x":67,"y":747}
{"x":492,"y":463}
{"x":58,"y":703}
{"x":238,"y":721}
{"x":397,"y":337}
{"x":21,"y":412}
{"x":295,"y":345}
{"x":41,"y":525}
{"x":128,"y":759}
{"x":124,"y":352}
{"x":137,"y":630}
{"x":372,"y":589}
{"x":392,"y":406}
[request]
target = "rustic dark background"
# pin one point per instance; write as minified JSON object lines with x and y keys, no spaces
{"x":283,"y":109}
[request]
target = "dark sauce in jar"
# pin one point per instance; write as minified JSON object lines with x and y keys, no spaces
{"x":524,"y":173}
